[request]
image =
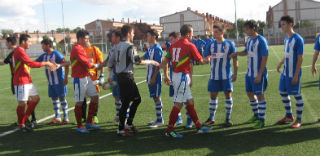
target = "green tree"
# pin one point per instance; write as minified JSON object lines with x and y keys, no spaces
{"x":76,"y":29}
{"x":6,"y":32}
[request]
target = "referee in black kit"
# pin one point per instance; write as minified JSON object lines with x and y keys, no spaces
{"x":123,"y":58}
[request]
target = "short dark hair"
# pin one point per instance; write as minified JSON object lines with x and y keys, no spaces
{"x":251,"y":24}
{"x":47,"y":41}
{"x":12,"y":40}
{"x":126,"y":29}
{"x":288,"y":19}
{"x":82,"y":33}
{"x":153,"y":32}
{"x":220,"y":27}
{"x":24,"y":37}
{"x":185,"y":29}
{"x":174,"y":34}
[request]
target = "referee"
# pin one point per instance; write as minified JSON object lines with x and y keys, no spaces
{"x":123,"y":58}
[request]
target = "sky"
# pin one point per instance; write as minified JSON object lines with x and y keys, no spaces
{"x":46,"y":15}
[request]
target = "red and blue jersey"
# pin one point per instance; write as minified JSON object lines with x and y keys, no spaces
{"x":80,"y":64}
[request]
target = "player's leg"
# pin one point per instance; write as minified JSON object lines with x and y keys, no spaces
{"x":93,"y":105}
{"x":117,"y":103}
{"x":159,"y":121}
{"x":95,"y":116}
{"x":229,"y":106}
{"x":84,"y":110}
{"x":253,"y":100}
{"x":259,"y":90}
{"x":136,"y":100}
{"x":299,"y":110}
{"x":64,"y":105}
{"x":213,"y":105}
{"x":172,"y":120}
{"x":56,"y":107}
{"x":283,"y":89}
{"x":189,"y":122}
{"x":193,"y":114}
{"x":80,"y":87}
{"x":32,"y":92}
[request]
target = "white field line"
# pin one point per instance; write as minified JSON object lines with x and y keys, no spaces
{"x":52,"y":116}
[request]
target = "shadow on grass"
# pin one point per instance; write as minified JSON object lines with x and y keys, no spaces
{"x":64,"y":140}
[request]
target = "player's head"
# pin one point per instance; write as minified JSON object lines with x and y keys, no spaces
{"x":250,"y":27}
{"x":173,"y":37}
{"x":11,"y":42}
{"x":83,"y":37}
{"x":24,"y":41}
{"x":286,"y":23}
{"x":207,"y":36}
{"x":47,"y":44}
{"x":199,"y":37}
{"x":127,"y":32}
{"x":152,"y":35}
{"x":218,"y":31}
{"x":115,"y":37}
{"x":186,"y":31}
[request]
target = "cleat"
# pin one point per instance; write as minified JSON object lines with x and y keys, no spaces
{"x":179,"y":121}
{"x":65,"y":121}
{"x":132,"y":128}
{"x":252,"y":119}
{"x":188,"y":127}
{"x":92,"y":126}
{"x":297,"y":124}
{"x":124,"y":133}
{"x":156,"y":124}
{"x":204,"y":129}
{"x":116,"y":119}
{"x":209,"y":122}
{"x":25,"y":129}
{"x":173,"y":134}
{"x":286,"y":120}
{"x":95,"y":120}
{"x":152,"y":122}
{"x":55,"y":121}
{"x":259,"y":125}
{"x":228,"y":123}
{"x":82,"y":129}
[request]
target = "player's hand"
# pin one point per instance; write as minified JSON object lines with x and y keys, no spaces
{"x":52,"y":67}
{"x":234,"y":77}
{"x":109,"y":80}
{"x":152,"y":82}
{"x":167,"y":81}
{"x":314,"y":70}
{"x":257,"y":79}
{"x":294,"y":80}
{"x":278,"y":67}
{"x":155,"y":63}
{"x":104,"y":63}
{"x":65,"y":80}
{"x":233,"y":55}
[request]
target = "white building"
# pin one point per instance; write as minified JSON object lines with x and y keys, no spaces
{"x":202,"y":23}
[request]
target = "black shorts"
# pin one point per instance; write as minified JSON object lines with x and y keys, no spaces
{"x":128,"y":87}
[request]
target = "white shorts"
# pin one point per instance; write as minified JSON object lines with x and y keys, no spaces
{"x":23,"y":92}
{"x":83,"y":87}
{"x":181,"y":86}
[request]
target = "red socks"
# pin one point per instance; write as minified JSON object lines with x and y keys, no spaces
{"x":92,"y":111}
{"x":193,"y":114}
{"x":173,"y":118}
{"x":78,"y":114}
{"x":31,"y":106}
{"x":20,"y":114}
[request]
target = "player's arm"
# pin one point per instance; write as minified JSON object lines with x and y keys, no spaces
{"x":83,"y":60}
{"x":141,"y":60}
{"x":164,"y":65}
{"x":197,"y":57}
{"x":314,"y":61}
{"x":191,"y":72}
{"x":261,"y":69}
{"x":33,"y":64}
{"x":235,"y":68}
{"x":297,"y":71}
{"x":280,"y":64}
{"x":100,"y":60}
{"x":242,"y":53}
{"x":158,"y":56}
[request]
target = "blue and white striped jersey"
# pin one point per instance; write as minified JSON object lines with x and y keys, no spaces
{"x":220,"y":63}
{"x":54,"y":77}
{"x":317,"y":44}
{"x":294,"y":46}
{"x":256,"y":48}
{"x":153,"y":53}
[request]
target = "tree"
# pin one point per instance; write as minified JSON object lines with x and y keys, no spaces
{"x":6,"y":32}
{"x":303,"y":24}
{"x":75,"y":30}
{"x":61,"y":30}
{"x":232,"y":32}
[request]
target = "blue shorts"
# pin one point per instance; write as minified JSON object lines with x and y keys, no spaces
{"x":155,"y":90}
{"x":220,"y":86}
{"x":286,"y":86}
{"x":171,"y":90}
{"x":257,"y":88}
{"x":59,"y":90}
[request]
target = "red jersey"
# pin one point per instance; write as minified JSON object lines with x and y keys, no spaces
{"x":22,"y":64}
{"x":181,"y":53}
{"x":80,"y":64}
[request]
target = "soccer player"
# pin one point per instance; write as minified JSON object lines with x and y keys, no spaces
{"x":154,"y":78}
{"x":24,"y":88}
{"x":221,"y":76}
{"x":257,"y":74}
{"x":115,"y":40}
{"x":200,"y":44}
{"x":315,"y":58}
{"x":291,"y":74}
{"x":181,"y":53}
{"x":82,"y":83}
{"x":57,"y":80}
{"x":123,"y":58}
{"x":11,"y":43}
{"x":174,"y":37}
{"x":95,"y":57}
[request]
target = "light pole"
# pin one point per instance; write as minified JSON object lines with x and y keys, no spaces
{"x":64,"y":30}
{"x":236,"y":21}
